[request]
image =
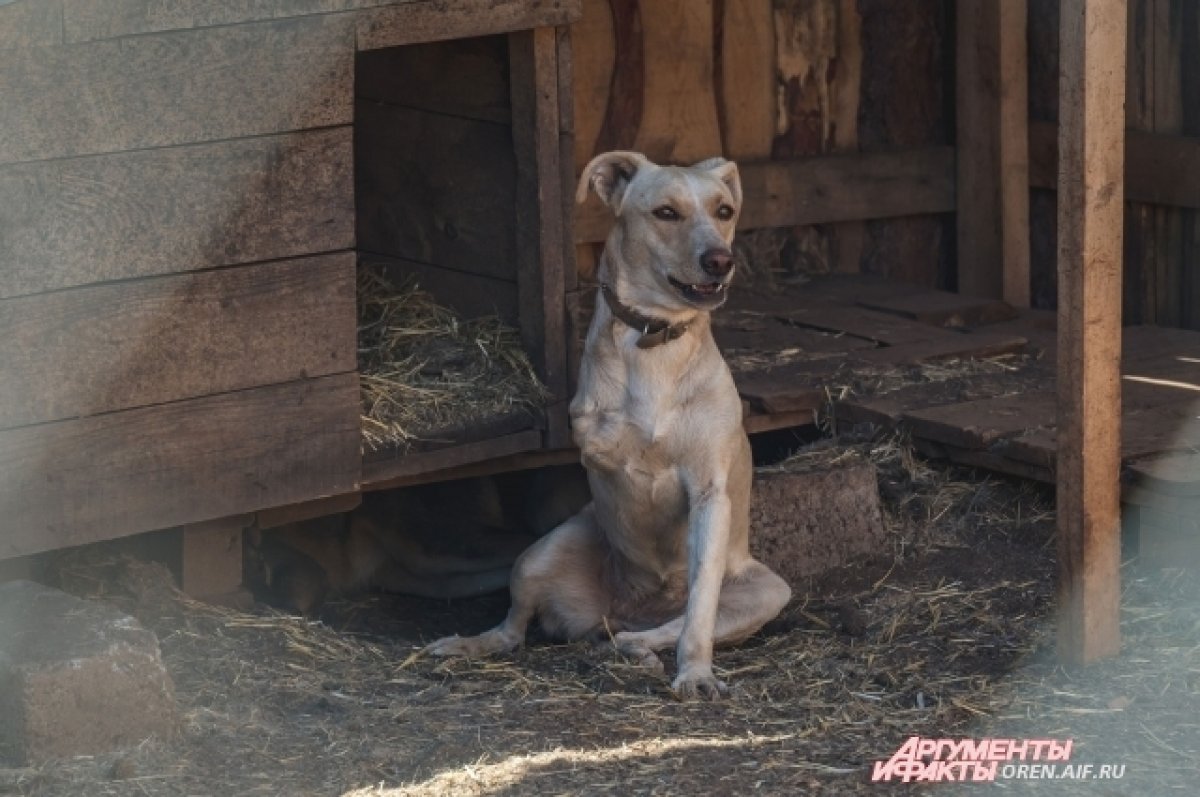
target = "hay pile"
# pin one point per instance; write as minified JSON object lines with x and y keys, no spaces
{"x":424,"y":372}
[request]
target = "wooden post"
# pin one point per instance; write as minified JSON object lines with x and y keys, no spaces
{"x":541,"y":233}
{"x":212,"y":559}
{"x":993,"y":149}
{"x":1090,"y":195}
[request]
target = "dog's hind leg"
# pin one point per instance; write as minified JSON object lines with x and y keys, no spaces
{"x":559,"y":580}
{"x":747,"y":602}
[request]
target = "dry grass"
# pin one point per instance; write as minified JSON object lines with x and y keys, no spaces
{"x":424,"y":371}
{"x":948,"y":634}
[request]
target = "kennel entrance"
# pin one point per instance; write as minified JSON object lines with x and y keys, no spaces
{"x":461,"y":251}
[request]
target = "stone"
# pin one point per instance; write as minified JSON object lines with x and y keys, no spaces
{"x":77,"y":677}
{"x":804,"y":523}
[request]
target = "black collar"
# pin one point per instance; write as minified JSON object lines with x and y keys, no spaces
{"x":655,"y":331}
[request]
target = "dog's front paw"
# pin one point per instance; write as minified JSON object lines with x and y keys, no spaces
{"x":484,"y":644}
{"x":698,"y":683}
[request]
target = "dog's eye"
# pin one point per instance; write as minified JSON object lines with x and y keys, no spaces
{"x":666,"y":213}
{"x":725,"y":213}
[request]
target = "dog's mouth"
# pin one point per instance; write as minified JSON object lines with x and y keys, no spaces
{"x":705,"y":293}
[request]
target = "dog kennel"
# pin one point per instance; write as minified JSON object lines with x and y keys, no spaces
{"x":192,"y":201}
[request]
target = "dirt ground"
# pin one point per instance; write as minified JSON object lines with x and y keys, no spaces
{"x":949,"y":634}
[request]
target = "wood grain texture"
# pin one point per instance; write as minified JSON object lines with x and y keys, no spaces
{"x":745,"y":74}
{"x":176,"y":88}
{"x":110,"y":347}
{"x":992,"y":144}
{"x":466,"y":77}
{"x":436,"y":189}
{"x":626,"y":97}
{"x":1159,"y":169}
{"x":211,"y":557}
{"x":84,"y":220}
{"x":1091,"y":170}
{"x":390,"y":473}
{"x":541,"y":281}
{"x":679,"y":115}
{"x":80,"y":481}
{"x":87,"y":20}
{"x":438,"y":20}
{"x":31,"y":23}
{"x":825,"y":189}
{"x":594,"y":51}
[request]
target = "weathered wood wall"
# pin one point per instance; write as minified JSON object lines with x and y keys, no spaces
{"x":798,"y":91}
{"x":177,"y":236}
{"x":1162,"y":115}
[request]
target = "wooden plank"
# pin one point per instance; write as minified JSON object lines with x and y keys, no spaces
{"x":882,"y":328}
{"x":595,"y":54}
{"x":825,"y":189}
{"x":626,"y":95}
{"x":110,"y":347}
{"x":978,"y":424}
{"x":112,"y":475}
{"x":307,"y":510}
{"x":566,"y":153}
{"x":993,"y":164}
{"x":1159,"y":169}
{"x":469,"y":295}
{"x":679,"y":116}
{"x":211,"y":561}
{"x":1154,"y":430}
{"x":1090,"y":191}
{"x":942,"y":309}
{"x":386,"y":474}
{"x":978,"y":344}
{"x":466,"y":77}
{"x":84,"y":220}
{"x":436,"y":189}
{"x":30,"y":23}
{"x":176,"y":88}
{"x":88,"y":20}
{"x":541,"y":239}
{"x":757,"y":424}
{"x":439,"y":20}
{"x":773,"y":395}
{"x":745,"y":74}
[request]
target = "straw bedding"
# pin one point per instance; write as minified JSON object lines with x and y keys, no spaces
{"x":949,"y":633}
{"x":426,"y":373}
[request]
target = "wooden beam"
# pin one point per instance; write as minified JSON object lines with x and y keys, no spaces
{"x":124,"y":215}
{"x":992,"y":143}
{"x":101,"y":348}
{"x":1159,"y":169}
{"x":541,"y":278}
{"x":438,"y":20}
{"x":1090,"y":193}
{"x":107,"y":476}
{"x":825,"y":189}
{"x":211,"y":560}
{"x":185,"y":87}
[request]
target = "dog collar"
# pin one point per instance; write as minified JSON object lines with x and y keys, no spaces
{"x":655,"y":331}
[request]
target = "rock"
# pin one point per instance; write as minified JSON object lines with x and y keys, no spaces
{"x":76,"y":677}
{"x":804,"y":523}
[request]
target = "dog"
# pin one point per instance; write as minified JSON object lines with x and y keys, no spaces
{"x":660,"y":557}
{"x":448,"y":540}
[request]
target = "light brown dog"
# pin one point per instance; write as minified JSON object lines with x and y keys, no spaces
{"x":660,"y":558}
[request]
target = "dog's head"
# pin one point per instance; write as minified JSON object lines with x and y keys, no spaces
{"x":674,"y":228}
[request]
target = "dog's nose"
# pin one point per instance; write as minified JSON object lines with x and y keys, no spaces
{"x":717,"y":262}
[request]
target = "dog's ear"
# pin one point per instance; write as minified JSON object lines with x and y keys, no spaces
{"x":726,"y":172}
{"x":609,"y":175}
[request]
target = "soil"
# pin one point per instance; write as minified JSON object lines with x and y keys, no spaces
{"x":947,"y":633}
